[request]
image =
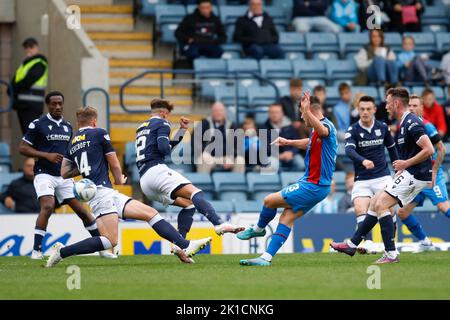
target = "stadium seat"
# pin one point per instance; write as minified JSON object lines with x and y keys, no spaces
{"x":261,"y":96}
{"x":310,"y":69}
{"x":227,"y":95}
{"x":424,"y":42}
{"x":367,"y":90}
{"x":321,"y":42}
{"x":7,"y":178}
{"x":4,"y":210}
{"x":168,"y":33}
{"x":202,"y":181}
{"x":229,"y":14}
{"x":275,"y":69}
{"x":248,"y":206}
{"x":222,"y":206}
{"x":148,"y":6}
{"x":339,"y":179}
{"x":234,"y":196}
{"x":242,"y":67}
{"x":5,"y":155}
{"x":166,"y":14}
{"x":278,"y":15}
{"x":293,"y":44}
{"x":325,"y":55}
{"x":339,"y":70}
{"x":229,"y":181}
{"x":443,"y":42}
{"x":438,"y":92}
{"x":290,"y":177}
{"x":393,"y":40}
{"x":434,"y":15}
{"x":210,"y":68}
{"x":260,"y":185}
{"x":333,"y":96}
{"x":351,"y":42}
{"x":190,"y":8}
{"x":4,"y":168}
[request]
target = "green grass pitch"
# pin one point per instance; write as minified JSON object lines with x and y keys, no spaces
{"x":292,"y":276}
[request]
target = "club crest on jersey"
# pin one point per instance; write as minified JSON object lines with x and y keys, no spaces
{"x":377,"y":132}
{"x":66,"y":129}
{"x":402,"y":131}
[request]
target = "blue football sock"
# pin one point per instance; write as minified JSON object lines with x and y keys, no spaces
{"x":387,"y":232}
{"x":447,"y":214}
{"x":278,"y":238}
{"x":185,"y":220}
{"x":167,"y":231}
{"x":89,"y":245}
{"x":38,"y":236}
{"x":205,"y":208}
{"x":266,"y":216}
{"x":415,"y":227}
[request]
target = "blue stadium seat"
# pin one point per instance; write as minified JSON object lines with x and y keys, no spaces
{"x":229,"y":14}
{"x":4,"y":210}
{"x":339,"y":178}
{"x":424,"y":42}
{"x":325,"y":56}
{"x":233,"y":196}
{"x":4,"y":168}
{"x":351,"y":42}
{"x":438,"y":92}
{"x":243,"y":67}
{"x":309,"y":69}
{"x":5,"y":155}
{"x":370,"y":91}
{"x":393,"y":40}
{"x":229,"y":181}
{"x":261,"y":96}
{"x":434,"y":15}
{"x":321,"y":42}
{"x":278,"y":15}
{"x":333,"y":95}
{"x":227,"y":95}
{"x":290,"y":177}
{"x":222,"y":206}
{"x":248,"y":206}
{"x":443,"y":42}
{"x":190,"y":8}
{"x":210,"y":68}
{"x":202,"y":181}
{"x":260,"y":185}
{"x":286,"y":5}
{"x":293,"y":44}
{"x":338,"y":70}
{"x":7,"y":178}
{"x":172,"y":13}
{"x":231,"y":51}
{"x":168,"y":33}
{"x":435,"y":28}
{"x":275,"y":69}
{"x":148,"y":6}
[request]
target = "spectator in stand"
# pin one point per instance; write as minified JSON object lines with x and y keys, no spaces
{"x":376,"y":62}
{"x":257,"y":33}
{"x":214,"y":130}
{"x":434,"y":112}
{"x":354,"y":114}
{"x":345,"y":14}
{"x":309,"y":15}
{"x":20,"y":196}
{"x":445,"y":67}
{"x":345,"y":203}
{"x":446,"y":106}
{"x":370,"y":19}
{"x":320,"y":92}
{"x":405,"y":15}
{"x":412,"y":67}
{"x":251,"y":145}
{"x":329,"y":204}
{"x":290,"y":102}
{"x":201,"y":33}
{"x":288,"y":157}
{"x":342,"y":110}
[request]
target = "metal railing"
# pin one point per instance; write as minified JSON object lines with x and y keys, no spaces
{"x":108,"y":102}
{"x":8,"y":108}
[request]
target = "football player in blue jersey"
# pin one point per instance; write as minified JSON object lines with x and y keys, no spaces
{"x":437,"y":193}
{"x":413,"y":174}
{"x":91,"y":155}
{"x":299,"y":198}
{"x":47,"y":139}
{"x":161,"y":183}
{"x":366,"y":141}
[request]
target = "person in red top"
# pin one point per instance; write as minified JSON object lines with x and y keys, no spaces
{"x":433,"y":111}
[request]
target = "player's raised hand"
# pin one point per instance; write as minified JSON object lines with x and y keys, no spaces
{"x":184,"y":123}
{"x":305,"y":102}
{"x":400,"y":165}
{"x":54,"y":157}
{"x":280,"y":142}
{"x":368,"y":164}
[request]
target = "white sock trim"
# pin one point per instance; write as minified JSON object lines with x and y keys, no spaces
{"x":372,"y":213}
{"x":387,"y":213}
{"x":194,"y":193}
{"x":266,"y":256}
{"x":39,"y":232}
{"x":351,"y":244}
{"x":190,"y":207}
{"x":106,"y":243}
{"x":92,"y":227}
{"x":394,"y":218}
{"x":155,"y":219}
{"x":257,"y":229}
{"x":360,"y":218}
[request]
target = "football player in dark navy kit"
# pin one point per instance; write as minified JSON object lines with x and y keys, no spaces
{"x":413,"y":174}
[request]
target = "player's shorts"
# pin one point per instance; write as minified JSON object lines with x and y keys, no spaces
{"x":304,"y":195}
{"x":368,"y":188}
{"x":48,"y":185}
{"x":107,"y":201}
{"x":159,"y":182}
{"x":405,"y":188}
{"x":437,"y":194}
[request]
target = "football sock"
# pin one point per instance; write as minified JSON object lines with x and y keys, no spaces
{"x":265,"y":217}
{"x":278,"y":238}
{"x":365,"y":227}
{"x":394,"y":219}
{"x":415,"y":227}
{"x":92,"y":229}
{"x":387,"y":231}
{"x":205,"y":208}
{"x":359,"y":221}
{"x":447,"y":214}
{"x":185,"y":220}
{"x":38,"y":236}
{"x":167,"y":231}
{"x":89,"y":245}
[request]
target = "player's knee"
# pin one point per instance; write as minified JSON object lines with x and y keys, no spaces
{"x":402,"y":214}
{"x":268,"y":203}
{"x":113,"y":238}
{"x":47,"y":207}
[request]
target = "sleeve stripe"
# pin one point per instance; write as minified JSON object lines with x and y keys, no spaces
{"x":420,"y":138}
{"x":165,"y":137}
{"x":350,"y":145}
{"x":393,"y":145}
{"x":109,"y":153}
{"x":27,"y":141}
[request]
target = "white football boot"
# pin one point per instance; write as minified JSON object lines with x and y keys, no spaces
{"x":196,"y":245}
{"x":425,"y":245}
{"x":107,"y":254}
{"x":227,"y":228}
{"x":55,"y":257}
{"x":37,"y":255}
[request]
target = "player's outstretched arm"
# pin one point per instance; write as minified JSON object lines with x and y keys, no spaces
{"x":300,"y":144}
{"x":426,"y":152}
{"x":440,"y":155}
{"x":305,"y":107}
{"x":116,"y":169}
{"x":28,"y":151}
{"x":69,"y":169}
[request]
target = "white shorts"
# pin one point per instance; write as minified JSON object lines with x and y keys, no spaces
{"x":368,"y":188}
{"x":405,"y":188}
{"x":48,"y":185}
{"x":108,"y":201}
{"x":159,"y":182}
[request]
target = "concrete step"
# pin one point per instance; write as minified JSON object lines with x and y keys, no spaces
{"x":121,"y":36}
{"x":107,"y":24}
{"x":126,"y":51}
{"x":114,"y":9}
{"x":140,"y":63}
{"x":153,"y":91}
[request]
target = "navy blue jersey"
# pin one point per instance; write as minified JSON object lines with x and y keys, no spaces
{"x":410,"y":130}
{"x":88,"y":149}
{"x":147,"y":136}
{"x":48,"y":135}
{"x":369,"y":145}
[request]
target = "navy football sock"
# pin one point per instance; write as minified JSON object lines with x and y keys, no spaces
{"x":93,"y":229}
{"x":359,"y":221}
{"x":387,"y":232}
{"x":414,"y":226}
{"x":89,"y":245}
{"x":266,"y":216}
{"x":205,"y":208}
{"x":38,"y":236}
{"x":185,"y":220}
{"x":167,"y":231}
{"x":366,"y":226}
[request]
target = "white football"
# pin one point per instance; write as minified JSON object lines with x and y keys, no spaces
{"x":84,"y":190}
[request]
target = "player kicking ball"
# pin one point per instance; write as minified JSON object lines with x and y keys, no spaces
{"x":414,"y":174}
{"x":91,"y":155}
{"x":162,"y":184}
{"x":298,"y":198}
{"x":438,"y":193}
{"x":365,"y":142}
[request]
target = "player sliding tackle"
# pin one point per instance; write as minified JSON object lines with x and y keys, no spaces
{"x":413,"y":175}
{"x":91,"y":155}
{"x":298,"y":198}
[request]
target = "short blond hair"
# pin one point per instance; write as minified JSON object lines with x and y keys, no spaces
{"x":86,"y":115}
{"x":415,"y":96}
